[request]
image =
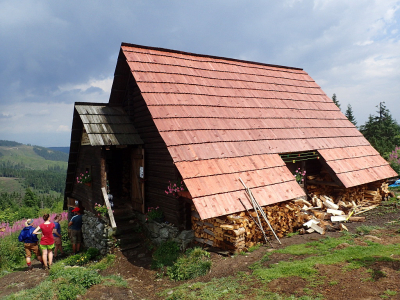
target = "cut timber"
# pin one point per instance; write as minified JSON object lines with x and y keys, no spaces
{"x":309,"y":223}
{"x":229,"y":227}
{"x":335,"y":212}
{"x":338,"y":218}
{"x":367,"y":209}
{"x":330,"y":204}
{"x":357,"y":219}
{"x":318,"y":229}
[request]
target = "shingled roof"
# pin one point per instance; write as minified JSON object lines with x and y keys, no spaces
{"x":222,"y":119}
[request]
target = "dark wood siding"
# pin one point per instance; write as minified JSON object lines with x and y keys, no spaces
{"x":159,"y":166}
{"x":89,"y":157}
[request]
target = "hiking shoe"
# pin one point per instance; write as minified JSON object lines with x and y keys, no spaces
{"x":30,"y":268}
{"x":46,"y":268}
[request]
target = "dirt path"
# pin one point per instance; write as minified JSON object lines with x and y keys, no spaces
{"x":143,"y":283}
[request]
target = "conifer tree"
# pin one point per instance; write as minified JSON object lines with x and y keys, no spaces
{"x":382,"y":131}
{"x":30,"y":199}
{"x":335,"y":100}
{"x":349,"y":114}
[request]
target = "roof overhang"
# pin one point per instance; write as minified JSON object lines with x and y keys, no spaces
{"x":106,"y":126}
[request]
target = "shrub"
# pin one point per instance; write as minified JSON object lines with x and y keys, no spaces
{"x":68,"y":291}
{"x":394,"y":159}
{"x":12,"y":253}
{"x":165,"y":255}
{"x":76,"y":276}
{"x":82,"y":259}
{"x":104,"y":263}
{"x":196,"y":262}
{"x":66,"y":242}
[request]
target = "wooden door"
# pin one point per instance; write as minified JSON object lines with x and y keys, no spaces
{"x":137,"y":187}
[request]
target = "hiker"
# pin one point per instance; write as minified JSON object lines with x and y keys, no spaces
{"x":30,"y":243}
{"x":75,"y":226}
{"x":57,"y":236}
{"x":47,"y":240}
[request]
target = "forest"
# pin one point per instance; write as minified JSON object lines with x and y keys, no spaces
{"x":381,"y":130}
{"x":52,"y":179}
{"x":38,"y":191}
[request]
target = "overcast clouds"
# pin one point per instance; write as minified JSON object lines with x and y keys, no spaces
{"x":55,"y":53}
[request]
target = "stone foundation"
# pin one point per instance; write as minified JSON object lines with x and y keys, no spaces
{"x":161,"y":232}
{"x":96,"y":233}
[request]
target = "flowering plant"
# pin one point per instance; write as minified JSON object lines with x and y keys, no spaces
{"x":300,"y":175}
{"x":394,"y":159}
{"x":154,"y":213}
{"x":101,"y":209}
{"x":174,"y":188}
{"x":84,"y":177}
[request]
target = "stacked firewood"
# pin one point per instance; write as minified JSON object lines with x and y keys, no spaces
{"x":238,"y":232}
{"x":327,"y":207}
{"x":332,"y":204}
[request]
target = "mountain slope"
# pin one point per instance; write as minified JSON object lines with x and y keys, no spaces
{"x":31,"y":157}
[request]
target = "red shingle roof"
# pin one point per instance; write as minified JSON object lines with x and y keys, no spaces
{"x":222,"y":119}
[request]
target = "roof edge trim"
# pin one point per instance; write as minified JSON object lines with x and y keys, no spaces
{"x":209,"y":56}
{"x":91,"y":103}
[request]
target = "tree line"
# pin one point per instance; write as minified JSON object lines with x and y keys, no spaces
{"x":16,"y":206}
{"x":381,"y":130}
{"x":52,"y":179}
{"x":49,"y":154}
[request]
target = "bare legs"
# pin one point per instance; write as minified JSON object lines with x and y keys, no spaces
{"x":58,"y":247}
{"x":47,"y":257}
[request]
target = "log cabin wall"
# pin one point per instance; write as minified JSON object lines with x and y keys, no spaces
{"x":159,"y":168}
{"x":89,"y":158}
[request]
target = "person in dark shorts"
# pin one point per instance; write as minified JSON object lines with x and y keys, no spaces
{"x":30,"y":243}
{"x":75,"y":226}
{"x":47,"y":240}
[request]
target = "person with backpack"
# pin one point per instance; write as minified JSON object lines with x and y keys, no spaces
{"x":30,"y":241}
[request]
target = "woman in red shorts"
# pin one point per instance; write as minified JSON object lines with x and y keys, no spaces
{"x":47,"y":240}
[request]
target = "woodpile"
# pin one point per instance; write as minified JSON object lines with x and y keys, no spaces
{"x":238,"y":232}
{"x":328,"y":206}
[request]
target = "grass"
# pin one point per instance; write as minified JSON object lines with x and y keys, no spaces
{"x":365,"y":229}
{"x":24,"y":154}
{"x":68,"y":282}
{"x":323,"y":252}
{"x":327,"y":255}
{"x":11,"y":185}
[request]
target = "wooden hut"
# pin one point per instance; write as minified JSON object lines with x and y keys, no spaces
{"x":209,"y":120}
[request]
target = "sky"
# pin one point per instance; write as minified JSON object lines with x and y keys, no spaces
{"x":56,"y":53}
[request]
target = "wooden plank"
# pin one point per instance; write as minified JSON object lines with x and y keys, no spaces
{"x":318,"y":229}
{"x":109,"y":209}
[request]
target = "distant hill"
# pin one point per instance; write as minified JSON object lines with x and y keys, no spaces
{"x":23,"y":166}
{"x":32,"y":157}
{"x":61,"y":149}
{"x":9,"y":143}
{"x":49,"y":154}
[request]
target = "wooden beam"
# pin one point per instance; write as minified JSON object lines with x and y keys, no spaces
{"x":316,"y":182}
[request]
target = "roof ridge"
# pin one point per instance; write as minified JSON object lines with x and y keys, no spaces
{"x":206,"y":55}
{"x":91,"y":103}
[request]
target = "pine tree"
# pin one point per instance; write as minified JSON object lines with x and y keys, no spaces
{"x":382,"y":131}
{"x":349,"y":114}
{"x":335,"y":100}
{"x":30,"y":199}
